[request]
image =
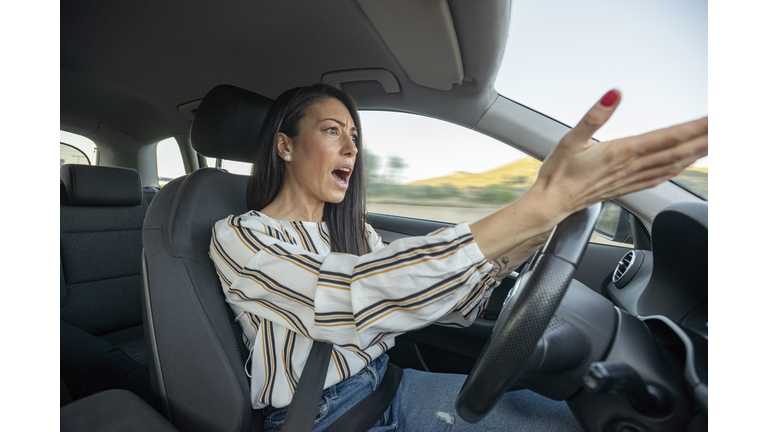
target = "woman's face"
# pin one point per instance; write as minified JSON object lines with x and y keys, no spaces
{"x":323,"y":154}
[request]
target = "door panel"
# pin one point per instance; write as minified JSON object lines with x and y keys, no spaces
{"x":391,"y":228}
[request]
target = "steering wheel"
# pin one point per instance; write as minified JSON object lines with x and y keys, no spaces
{"x":521,"y":323}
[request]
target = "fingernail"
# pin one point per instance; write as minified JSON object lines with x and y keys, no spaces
{"x":610,"y":98}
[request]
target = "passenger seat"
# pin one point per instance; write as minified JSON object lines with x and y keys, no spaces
{"x":102,"y":211}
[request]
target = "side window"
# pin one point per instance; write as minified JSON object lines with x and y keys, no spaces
{"x":425,"y":168}
{"x":169,"y":162}
{"x":234,"y":167}
{"x":76,"y":149}
{"x":613,"y":227}
{"x":69,"y":154}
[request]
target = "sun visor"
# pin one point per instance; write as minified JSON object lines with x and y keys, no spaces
{"x":421,"y":36}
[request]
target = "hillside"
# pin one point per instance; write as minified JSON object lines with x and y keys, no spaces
{"x":703,"y":170}
{"x":522,"y":172}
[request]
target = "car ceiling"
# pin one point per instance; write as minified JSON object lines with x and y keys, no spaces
{"x":130,"y":65}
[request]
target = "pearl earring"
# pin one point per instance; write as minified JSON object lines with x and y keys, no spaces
{"x":288,"y":157}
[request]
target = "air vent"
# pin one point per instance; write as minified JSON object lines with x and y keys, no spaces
{"x":623,"y":266}
{"x":627,"y":268}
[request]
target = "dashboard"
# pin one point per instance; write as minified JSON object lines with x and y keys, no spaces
{"x":668,"y":291}
{"x":673,"y":280}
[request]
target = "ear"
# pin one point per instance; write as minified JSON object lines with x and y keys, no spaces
{"x":283,"y":145}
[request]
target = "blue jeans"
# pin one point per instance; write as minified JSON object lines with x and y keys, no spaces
{"x":425,"y":402}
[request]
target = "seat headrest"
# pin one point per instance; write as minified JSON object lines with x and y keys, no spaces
{"x":227,"y":123}
{"x":88,"y":185}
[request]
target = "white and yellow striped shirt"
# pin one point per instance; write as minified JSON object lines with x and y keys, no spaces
{"x":287,"y":288}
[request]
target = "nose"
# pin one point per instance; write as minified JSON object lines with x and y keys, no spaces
{"x":349,"y":148}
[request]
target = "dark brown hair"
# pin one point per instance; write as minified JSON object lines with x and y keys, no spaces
{"x":345,"y":220}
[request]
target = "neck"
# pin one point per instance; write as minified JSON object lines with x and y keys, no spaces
{"x":292,"y":205}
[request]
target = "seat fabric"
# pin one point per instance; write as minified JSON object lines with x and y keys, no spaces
{"x":100,"y":254}
{"x":196,"y":362}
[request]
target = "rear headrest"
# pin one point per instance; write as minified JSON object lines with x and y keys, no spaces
{"x":88,"y":185}
{"x":227,"y":123}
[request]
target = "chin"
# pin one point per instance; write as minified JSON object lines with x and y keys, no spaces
{"x":336,"y":198}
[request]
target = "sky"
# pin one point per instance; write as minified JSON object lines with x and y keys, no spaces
{"x":563,"y":55}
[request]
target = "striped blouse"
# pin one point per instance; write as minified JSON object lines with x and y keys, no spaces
{"x":287,"y":288}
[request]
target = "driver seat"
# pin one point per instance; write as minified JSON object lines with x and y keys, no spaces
{"x":195,"y":348}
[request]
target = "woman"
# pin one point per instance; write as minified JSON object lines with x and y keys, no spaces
{"x":303,"y":265}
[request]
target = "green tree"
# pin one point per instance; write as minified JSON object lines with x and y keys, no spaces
{"x":417,"y":191}
{"x":395,"y":167}
{"x":496,"y":194}
{"x":372,"y":163}
{"x":445,"y":191}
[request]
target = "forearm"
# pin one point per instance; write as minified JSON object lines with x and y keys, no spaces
{"x":509,"y":261}
{"x":532,"y":216}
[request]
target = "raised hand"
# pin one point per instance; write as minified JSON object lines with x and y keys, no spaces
{"x":581,"y":172}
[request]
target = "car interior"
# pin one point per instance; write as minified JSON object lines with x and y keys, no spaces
{"x":624,"y":342}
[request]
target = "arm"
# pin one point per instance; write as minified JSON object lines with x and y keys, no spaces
{"x":508,"y":262}
{"x":469,"y":307}
{"x":465,"y":314}
{"x":580,"y":172}
{"x":352,"y":301}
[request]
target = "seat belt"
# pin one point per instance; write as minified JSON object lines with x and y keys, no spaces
{"x":364,"y":414}
{"x":303,"y":408}
{"x":361,"y":417}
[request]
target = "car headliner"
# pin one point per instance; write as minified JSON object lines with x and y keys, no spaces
{"x":130,"y":65}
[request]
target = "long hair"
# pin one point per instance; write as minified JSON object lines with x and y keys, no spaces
{"x":345,"y":220}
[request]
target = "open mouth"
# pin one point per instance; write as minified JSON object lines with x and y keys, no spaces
{"x":341,"y":175}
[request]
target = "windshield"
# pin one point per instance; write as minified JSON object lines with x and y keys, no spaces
{"x":562,"y":56}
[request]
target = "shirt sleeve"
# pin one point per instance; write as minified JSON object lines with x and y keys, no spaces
{"x":467,"y":310}
{"x":351,"y":301}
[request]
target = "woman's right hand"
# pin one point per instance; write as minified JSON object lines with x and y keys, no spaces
{"x":581,"y":172}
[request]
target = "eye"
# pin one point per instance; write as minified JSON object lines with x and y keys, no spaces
{"x":354,"y":139}
{"x":333,"y":131}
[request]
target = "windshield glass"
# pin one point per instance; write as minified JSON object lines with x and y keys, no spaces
{"x":562,"y":56}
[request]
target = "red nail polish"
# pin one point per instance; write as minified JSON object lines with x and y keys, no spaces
{"x":610,"y":98}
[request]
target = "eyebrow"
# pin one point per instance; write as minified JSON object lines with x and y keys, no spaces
{"x":341,"y":123}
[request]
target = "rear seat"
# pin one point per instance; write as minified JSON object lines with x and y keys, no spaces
{"x":102,"y":211}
